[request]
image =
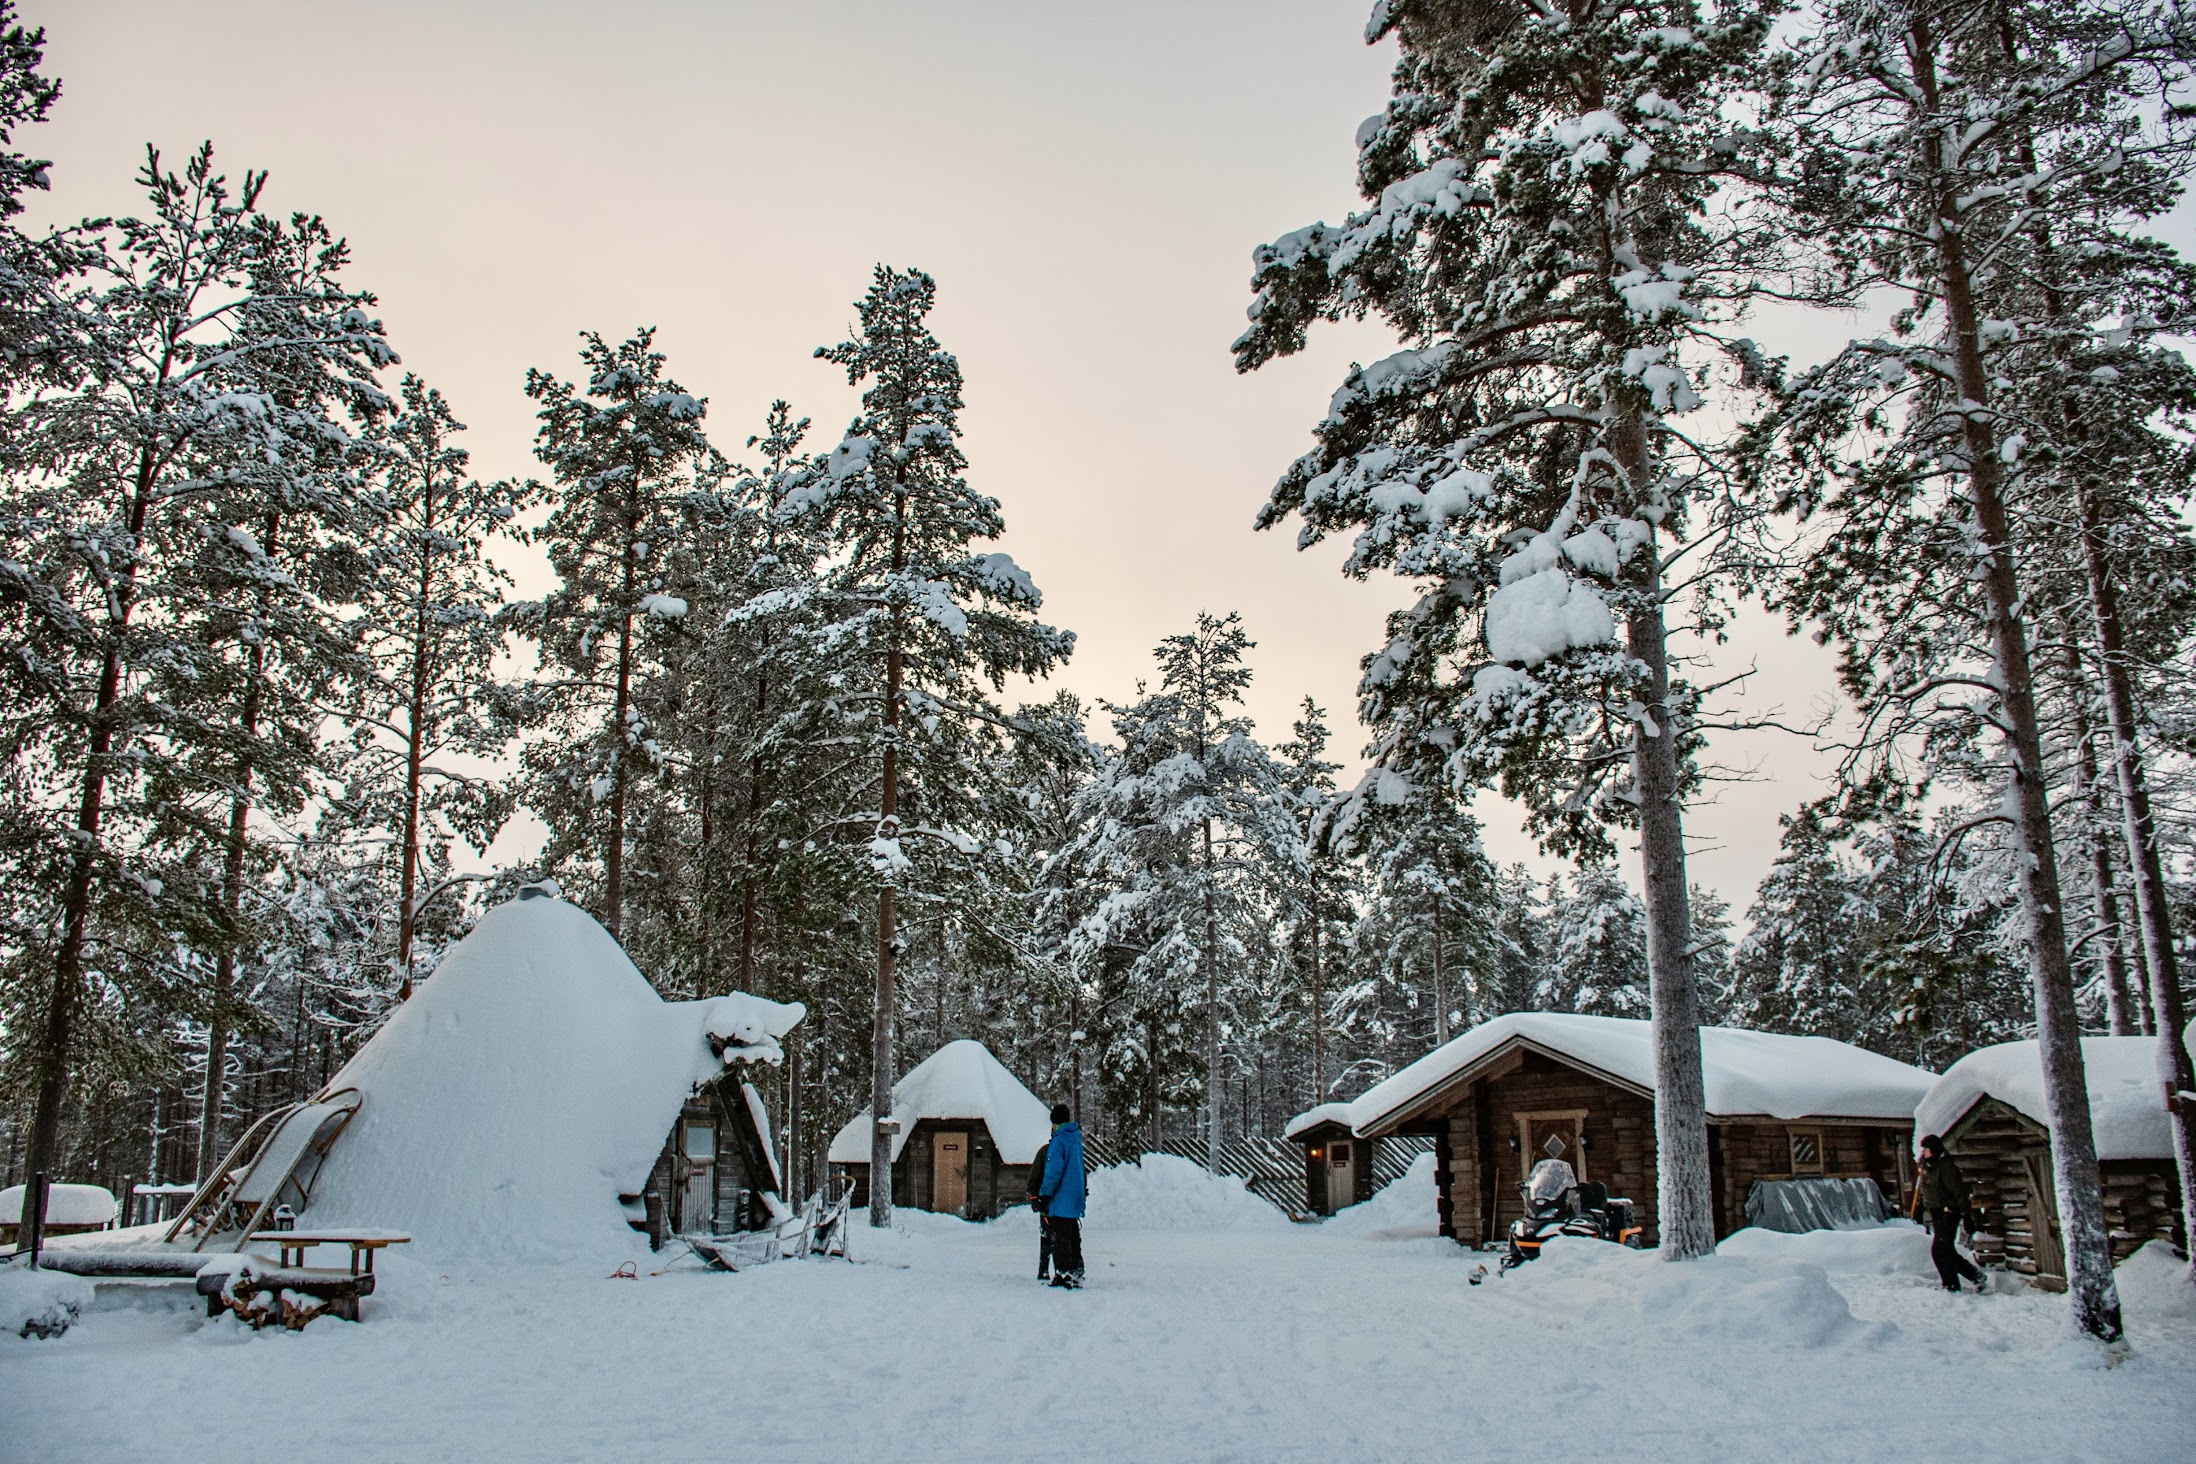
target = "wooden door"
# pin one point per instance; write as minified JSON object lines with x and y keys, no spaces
{"x":2043,"y":1215}
{"x":949,"y":1172}
{"x":1341,"y":1175}
{"x":698,"y":1197}
{"x":1552,"y":1136}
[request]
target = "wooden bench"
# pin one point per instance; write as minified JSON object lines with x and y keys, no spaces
{"x":294,"y":1243}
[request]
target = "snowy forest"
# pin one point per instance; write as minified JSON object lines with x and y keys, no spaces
{"x":272,"y":693}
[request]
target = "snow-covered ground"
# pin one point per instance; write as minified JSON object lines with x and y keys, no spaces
{"x":1223,"y":1333}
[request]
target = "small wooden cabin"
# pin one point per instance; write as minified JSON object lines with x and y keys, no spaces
{"x":966,"y":1133}
{"x":1535,"y":1085}
{"x":717,"y":1174}
{"x":1989,"y":1107}
{"x":1338,"y":1165}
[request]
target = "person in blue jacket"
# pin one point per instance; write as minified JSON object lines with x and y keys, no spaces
{"x":1061,"y":1195}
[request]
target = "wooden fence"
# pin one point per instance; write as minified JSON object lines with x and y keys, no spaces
{"x":1272,"y":1169}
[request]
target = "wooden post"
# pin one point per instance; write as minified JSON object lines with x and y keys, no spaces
{"x":33,"y":1232}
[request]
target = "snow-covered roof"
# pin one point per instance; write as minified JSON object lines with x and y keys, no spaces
{"x":960,"y":1080}
{"x":66,"y":1204}
{"x":1311,"y":1118}
{"x":1771,"y":1074}
{"x":2127,"y":1111}
{"x":526,"y":1085}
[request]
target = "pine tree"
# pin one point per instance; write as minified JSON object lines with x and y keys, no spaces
{"x":430,"y":621}
{"x":930,"y":623}
{"x":623,"y":451}
{"x":1600,"y":947}
{"x":1918,"y":135}
{"x":1541,"y":237}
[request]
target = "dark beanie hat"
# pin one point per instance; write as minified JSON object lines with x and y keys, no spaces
{"x":1932,"y":1144}
{"x":1060,"y":1113}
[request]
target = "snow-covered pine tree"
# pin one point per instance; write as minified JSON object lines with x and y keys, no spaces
{"x":1945,"y":153}
{"x":1186,"y":831}
{"x":284,"y":528}
{"x":623,"y":450}
{"x":1600,"y":964}
{"x":432,"y":709}
{"x":1324,"y":903}
{"x":1540,"y":234}
{"x":1524,"y":942}
{"x":34,"y":329}
{"x":107,"y":536}
{"x":932,"y":628}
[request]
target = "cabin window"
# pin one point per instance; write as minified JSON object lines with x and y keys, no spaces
{"x":1340,"y":1154}
{"x":701,"y":1142}
{"x":1806,"y":1150}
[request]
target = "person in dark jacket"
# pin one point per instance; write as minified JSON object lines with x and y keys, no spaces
{"x":1062,"y":1194}
{"x":1037,"y":1203}
{"x":1942,"y":1200}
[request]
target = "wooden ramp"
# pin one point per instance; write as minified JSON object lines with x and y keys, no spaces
{"x":274,"y":1164}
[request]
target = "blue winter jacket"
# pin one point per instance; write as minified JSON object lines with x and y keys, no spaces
{"x":1062,"y":1190}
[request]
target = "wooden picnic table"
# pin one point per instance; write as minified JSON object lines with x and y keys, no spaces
{"x":295,"y":1243}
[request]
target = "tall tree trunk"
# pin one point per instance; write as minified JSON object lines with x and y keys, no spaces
{"x":1318,"y":1005}
{"x":415,"y":732}
{"x":748,"y":893}
{"x":881,"y":1072}
{"x":2104,"y":900}
{"x":1206,"y":957}
{"x":2168,"y":1016}
{"x":1684,"y":1198}
{"x":613,"y":859}
{"x":1441,"y":983}
{"x":232,"y":898}
{"x":2094,"y":1294}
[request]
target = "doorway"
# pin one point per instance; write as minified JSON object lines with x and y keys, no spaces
{"x":698,"y":1196}
{"x":2043,"y":1217}
{"x":1554,"y":1135}
{"x":1341,"y":1175}
{"x":949,"y":1172}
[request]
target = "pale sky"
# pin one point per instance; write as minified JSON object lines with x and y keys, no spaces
{"x":1085,"y":181}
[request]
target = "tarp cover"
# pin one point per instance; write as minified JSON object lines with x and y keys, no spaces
{"x":960,"y":1080}
{"x":1815,"y":1202}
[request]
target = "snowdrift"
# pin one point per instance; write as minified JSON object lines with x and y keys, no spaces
{"x":526,"y":1085}
{"x":2127,"y":1110}
{"x":960,"y":1080}
{"x":1404,"y":1210}
{"x":1168,"y":1192}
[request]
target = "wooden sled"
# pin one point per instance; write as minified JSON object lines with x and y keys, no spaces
{"x":274,"y":1164}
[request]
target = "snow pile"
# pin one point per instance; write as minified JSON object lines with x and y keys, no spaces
{"x":2126,"y":1101}
{"x":1539,"y":611}
{"x":66,"y":1204}
{"x":1894,"y":1248}
{"x":1404,"y":1210}
{"x":1313,"y":1117}
{"x":525,"y":1086}
{"x":1168,"y":1192}
{"x":960,"y":1080}
{"x":41,"y":1303}
{"x":2154,"y":1284}
{"x":1732,"y":1302}
{"x":1747,"y":1073}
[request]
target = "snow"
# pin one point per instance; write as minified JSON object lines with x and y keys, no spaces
{"x":41,"y":1300}
{"x":1407,"y":1209}
{"x":960,"y":1080}
{"x":1229,"y":1343}
{"x":1312,"y":1117}
{"x":526,"y":1085}
{"x":66,"y":1204}
{"x":1747,"y":1073}
{"x":1539,"y":611}
{"x":663,"y":607}
{"x":2126,"y":1101}
{"x":1168,"y":1192}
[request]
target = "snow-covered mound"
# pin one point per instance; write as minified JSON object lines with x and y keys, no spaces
{"x":1405,"y":1209}
{"x":1894,"y":1248}
{"x":1168,"y":1192}
{"x":2127,"y":1109}
{"x":37,"y":1304}
{"x":960,"y":1080}
{"x":66,"y":1204}
{"x":1733,"y":1301}
{"x":2154,"y":1284}
{"x":526,"y":1085}
{"x":1767,"y":1073}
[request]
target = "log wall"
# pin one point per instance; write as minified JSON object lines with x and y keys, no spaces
{"x":1992,"y":1145}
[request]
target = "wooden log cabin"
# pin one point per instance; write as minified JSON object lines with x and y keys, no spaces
{"x":1338,"y":1165}
{"x":964,"y":1133}
{"x":716,"y":1174}
{"x":1989,"y":1107}
{"x":1536,"y":1085}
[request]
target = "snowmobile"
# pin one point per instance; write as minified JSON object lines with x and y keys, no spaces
{"x":1557,"y":1204}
